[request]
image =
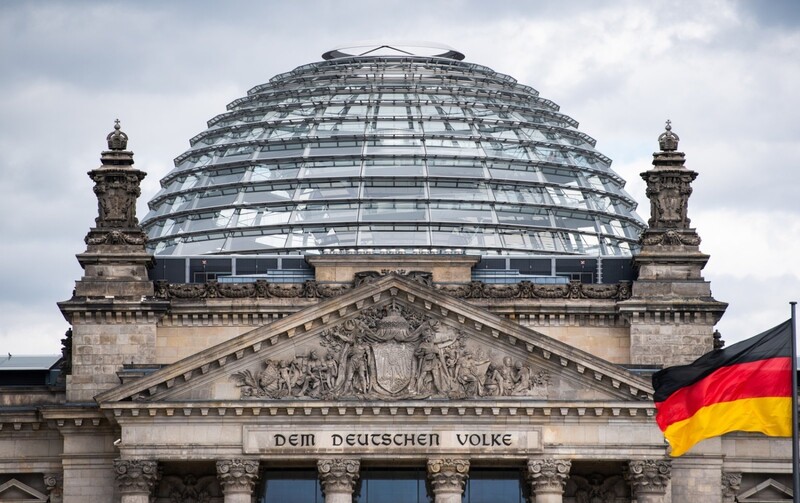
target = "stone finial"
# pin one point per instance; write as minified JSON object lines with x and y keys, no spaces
{"x":648,"y":476}
{"x":338,"y":475}
{"x":718,"y":342}
{"x":136,"y":475}
{"x":731,"y":483}
{"x":117,"y":140}
{"x":448,"y":475}
{"x":237,"y":475}
{"x":548,"y":475}
{"x":668,"y":141}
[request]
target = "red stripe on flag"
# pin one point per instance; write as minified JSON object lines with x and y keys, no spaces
{"x":762,"y":378}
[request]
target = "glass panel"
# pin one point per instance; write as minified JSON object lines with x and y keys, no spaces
{"x":465,"y":191}
{"x":514,"y":171}
{"x":291,"y":486}
{"x":327,"y":190}
{"x":518,"y":194}
{"x":328,"y":169}
{"x":397,"y":189}
{"x":561,"y":177}
{"x":575,"y":221}
{"x":522,"y":215}
{"x":461,"y":212}
{"x":206,"y":221}
{"x":397,"y":235}
{"x":493,"y":486}
{"x":392,"y":486}
{"x":453,"y":167}
{"x":325,"y":213}
{"x":268,"y":193}
{"x":393,"y":212}
{"x":394,"y":167}
{"x":217,"y":197}
{"x":458,"y":237}
{"x":223,"y":176}
{"x":264,"y":172}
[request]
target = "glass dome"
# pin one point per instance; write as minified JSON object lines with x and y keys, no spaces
{"x":390,"y":151}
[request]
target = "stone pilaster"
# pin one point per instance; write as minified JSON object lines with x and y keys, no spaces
{"x":136,"y":479}
{"x":731,"y":483}
{"x":237,"y":477}
{"x":671,"y":309}
{"x":447,"y":477}
{"x":338,"y":478}
{"x":54,"y":483}
{"x":548,"y":478}
{"x":649,"y":479}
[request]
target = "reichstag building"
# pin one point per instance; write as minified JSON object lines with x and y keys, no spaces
{"x":388,"y":276}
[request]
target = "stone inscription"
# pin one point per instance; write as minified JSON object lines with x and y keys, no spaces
{"x":285,"y":440}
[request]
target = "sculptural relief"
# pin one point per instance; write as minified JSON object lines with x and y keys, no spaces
{"x":392,"y":353}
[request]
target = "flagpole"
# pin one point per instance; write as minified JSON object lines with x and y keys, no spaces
{"x":795,"y":439}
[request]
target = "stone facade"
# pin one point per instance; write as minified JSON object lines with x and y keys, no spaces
{"x":195,"y":392}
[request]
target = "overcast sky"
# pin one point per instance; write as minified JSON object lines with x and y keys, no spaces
{"x":726,"y":73}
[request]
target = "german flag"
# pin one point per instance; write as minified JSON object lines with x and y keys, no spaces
{"x":744,"y":387}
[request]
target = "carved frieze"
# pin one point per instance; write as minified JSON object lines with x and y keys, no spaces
{"x":311,"y":289}
{"x":392,"y":353}
{"x":670,"y":237}
{"x":237,"y":475}
{"x":136,"y":475}
{"x":189,"y":488}
{"x":648,"y":475}
{"x":598,"y":488}
{"x":448,"y":475}
{"x":338,"y":475}
{"x":366,"y":277}
{"x":548,"y":475}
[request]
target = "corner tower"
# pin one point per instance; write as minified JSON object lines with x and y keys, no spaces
{"x":672,"y":311}
{"x":111,"y":311}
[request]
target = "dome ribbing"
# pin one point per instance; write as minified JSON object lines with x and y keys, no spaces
{"x":404,"y":153}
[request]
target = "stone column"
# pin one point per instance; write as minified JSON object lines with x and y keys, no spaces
{"x":237,"y":477}
{"x":731,"y":483}
{"x":548,"y":478}
{"x":649,"y":479}
{"x":338,"y":478}
{"x":136,"y":479}
{"x":54,"y":483}
{"x":447,"y":477}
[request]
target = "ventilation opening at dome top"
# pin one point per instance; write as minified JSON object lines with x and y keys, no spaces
{"x":398,"y":48}
{"x":417,"y":154}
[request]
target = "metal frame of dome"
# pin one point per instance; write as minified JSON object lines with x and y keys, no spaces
{"x":412,"y":153}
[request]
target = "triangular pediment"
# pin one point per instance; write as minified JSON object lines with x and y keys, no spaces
{"x":19,"y":491}
{"x":393,"y":339}
{"x":767,"y":491}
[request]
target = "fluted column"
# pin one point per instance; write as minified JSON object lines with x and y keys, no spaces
{"x":447,"y":477}
{"x":649,"y":479}
{"x":338,"y":479}
{"x":136,"y":479}
{"x":54,"y":483}
{"x":548,"y":478}
{"x":731,"y":483}
{"x":237,"y":477}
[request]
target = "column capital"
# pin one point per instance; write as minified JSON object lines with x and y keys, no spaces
{"x":548,"y":475}
{"x":237,"y":475}
{"x":448,"y":475}
{"x":136,"y":475}
{"x":731,"y":483}
{"x":648,"y":476}
{"x":54,"y":483}
{"x":338,"y":475}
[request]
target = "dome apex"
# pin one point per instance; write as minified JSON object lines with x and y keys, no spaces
{"x":394,"y":48}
